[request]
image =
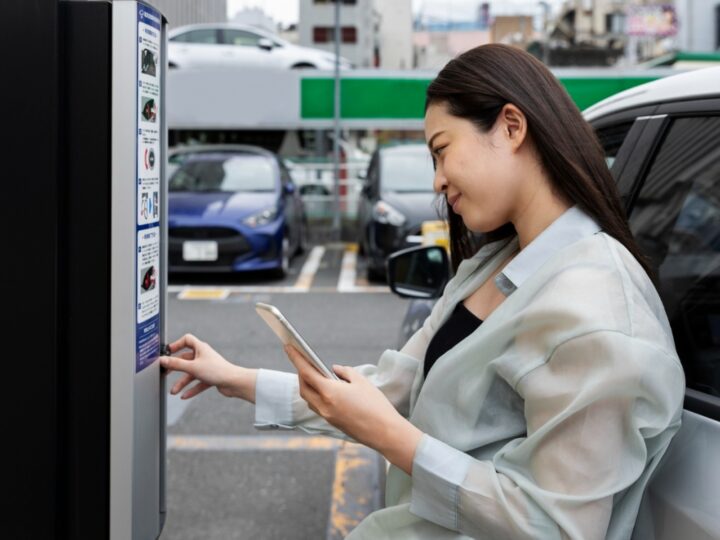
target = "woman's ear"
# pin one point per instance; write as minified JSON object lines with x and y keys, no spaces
{"x":514,"y":125}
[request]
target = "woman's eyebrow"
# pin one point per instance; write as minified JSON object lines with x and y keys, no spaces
{"x":433,"y":138}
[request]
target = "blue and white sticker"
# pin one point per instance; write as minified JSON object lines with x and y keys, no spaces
{"x":148,"y":203}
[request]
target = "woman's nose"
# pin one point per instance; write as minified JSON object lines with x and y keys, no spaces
{"x":439,"y":182}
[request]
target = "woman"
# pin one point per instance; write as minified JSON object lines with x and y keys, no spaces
{"x":542,"y":391}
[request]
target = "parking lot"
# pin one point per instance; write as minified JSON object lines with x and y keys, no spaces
{"x":567,"y":382}
{"x":227,"y":480}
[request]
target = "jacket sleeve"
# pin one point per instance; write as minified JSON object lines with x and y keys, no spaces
{"x":600,"y":414}
{"x":278,"y":404}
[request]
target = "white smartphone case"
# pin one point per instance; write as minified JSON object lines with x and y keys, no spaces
{"x":289,"y":336}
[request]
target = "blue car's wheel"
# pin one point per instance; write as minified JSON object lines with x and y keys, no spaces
{"x":304,"y":237}
{"x":282,"y":271}
{"x":285,"y":261}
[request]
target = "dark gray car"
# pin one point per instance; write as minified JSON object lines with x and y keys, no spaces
{"x":397,"y":197}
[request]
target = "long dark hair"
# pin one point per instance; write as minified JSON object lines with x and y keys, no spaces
{"x":479,"y":83}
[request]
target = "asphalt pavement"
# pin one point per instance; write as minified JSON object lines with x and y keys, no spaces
{"x":226,"y":480}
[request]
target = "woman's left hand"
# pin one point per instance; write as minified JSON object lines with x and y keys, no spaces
{"x":358,"y":408}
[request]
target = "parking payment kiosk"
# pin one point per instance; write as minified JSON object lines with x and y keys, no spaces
{"x":105,"y":453}
{"x":137,"y":396}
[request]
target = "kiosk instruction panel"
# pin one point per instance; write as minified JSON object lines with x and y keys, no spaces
{"x":148,"y":187}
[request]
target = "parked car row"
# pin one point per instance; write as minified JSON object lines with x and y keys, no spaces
{"x":234,"y":208}
{"x":239,"y":45}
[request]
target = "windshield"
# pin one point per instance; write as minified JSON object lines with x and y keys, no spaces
{"x":406,"y":169}
{"x":223,"y":172}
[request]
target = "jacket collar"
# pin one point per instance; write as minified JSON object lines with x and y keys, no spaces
{"x":573,"y":225}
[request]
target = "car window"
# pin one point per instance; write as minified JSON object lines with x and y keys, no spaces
{"x":240,"y":37}
{"x":371,"y":176}
{"x":612,"y":138}
{"x":212,"y":173}
{"x":676,"y":221}
{"x":406,"y":170}
{"x":204,"y":35}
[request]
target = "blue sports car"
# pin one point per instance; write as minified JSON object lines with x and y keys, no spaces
{"x":232,"y":209}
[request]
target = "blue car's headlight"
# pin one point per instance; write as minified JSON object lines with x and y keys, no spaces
{"x":261,"y":218}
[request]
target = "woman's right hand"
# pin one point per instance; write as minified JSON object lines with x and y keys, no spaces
{"x":203,"y":364}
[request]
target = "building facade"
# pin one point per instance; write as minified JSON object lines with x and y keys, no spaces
{"x":698,"y":25}
{"x":358,"y":29}
{"x":254,"y":16}
{"x":182,"y":12}
{"x":395,"y":39}
{"x":629,"y":32}
{"x":433,"y":48}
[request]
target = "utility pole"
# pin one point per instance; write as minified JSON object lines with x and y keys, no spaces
{"x":546,"y":36}
{"x":336,"y":140}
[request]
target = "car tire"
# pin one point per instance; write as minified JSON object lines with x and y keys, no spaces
{"x":284,"y":258}
{"x":304,"y":241}
{"x":376,"y":274}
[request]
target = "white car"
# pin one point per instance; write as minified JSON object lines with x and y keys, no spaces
{"x":662,"y":143}
{"x":229,"y":44}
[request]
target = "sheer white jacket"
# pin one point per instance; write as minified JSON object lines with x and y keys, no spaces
{"x":548,"y":420}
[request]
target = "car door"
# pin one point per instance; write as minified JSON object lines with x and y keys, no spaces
{"x":675,"y":218}
{"x":674,"y":214}
{"x":243,"y":48}
{"x":197,"y":47}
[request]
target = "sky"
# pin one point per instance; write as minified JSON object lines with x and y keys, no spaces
{"x":286,"y":11}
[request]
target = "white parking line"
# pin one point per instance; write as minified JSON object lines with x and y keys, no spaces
{"x":210,"y":292}
{"x":347,"y":281}
{"x":348,"y":274}
{"x":187,"y":291}
{"x":310,"y":268}
{"x":348,"y":271}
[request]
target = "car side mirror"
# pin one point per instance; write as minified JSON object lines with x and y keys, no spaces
{"x":367,"y":190}
{"x":362,"y":175}
{"x":289,"y":188}
{"x":419,"y":272}
{"x":265,"y":44}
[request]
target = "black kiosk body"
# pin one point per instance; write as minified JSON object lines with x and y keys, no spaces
{"x":90,"y":409}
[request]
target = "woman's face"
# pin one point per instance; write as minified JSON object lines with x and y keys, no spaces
{"x":479,"y":173}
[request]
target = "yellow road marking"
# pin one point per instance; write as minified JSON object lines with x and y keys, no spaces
{"x":356,"y":485}
{"x":199,"y":293}
{"x":351,"y":501}
{"x":250,"y":443}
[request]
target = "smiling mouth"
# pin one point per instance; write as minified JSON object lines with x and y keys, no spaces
{"x":452,"y":201}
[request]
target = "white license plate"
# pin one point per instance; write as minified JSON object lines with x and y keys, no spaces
{"x":200,"y":251}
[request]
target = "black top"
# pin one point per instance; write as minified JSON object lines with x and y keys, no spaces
{"x":457,"y":327}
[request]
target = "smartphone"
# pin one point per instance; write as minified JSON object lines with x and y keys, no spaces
{"x":289,"y":336}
